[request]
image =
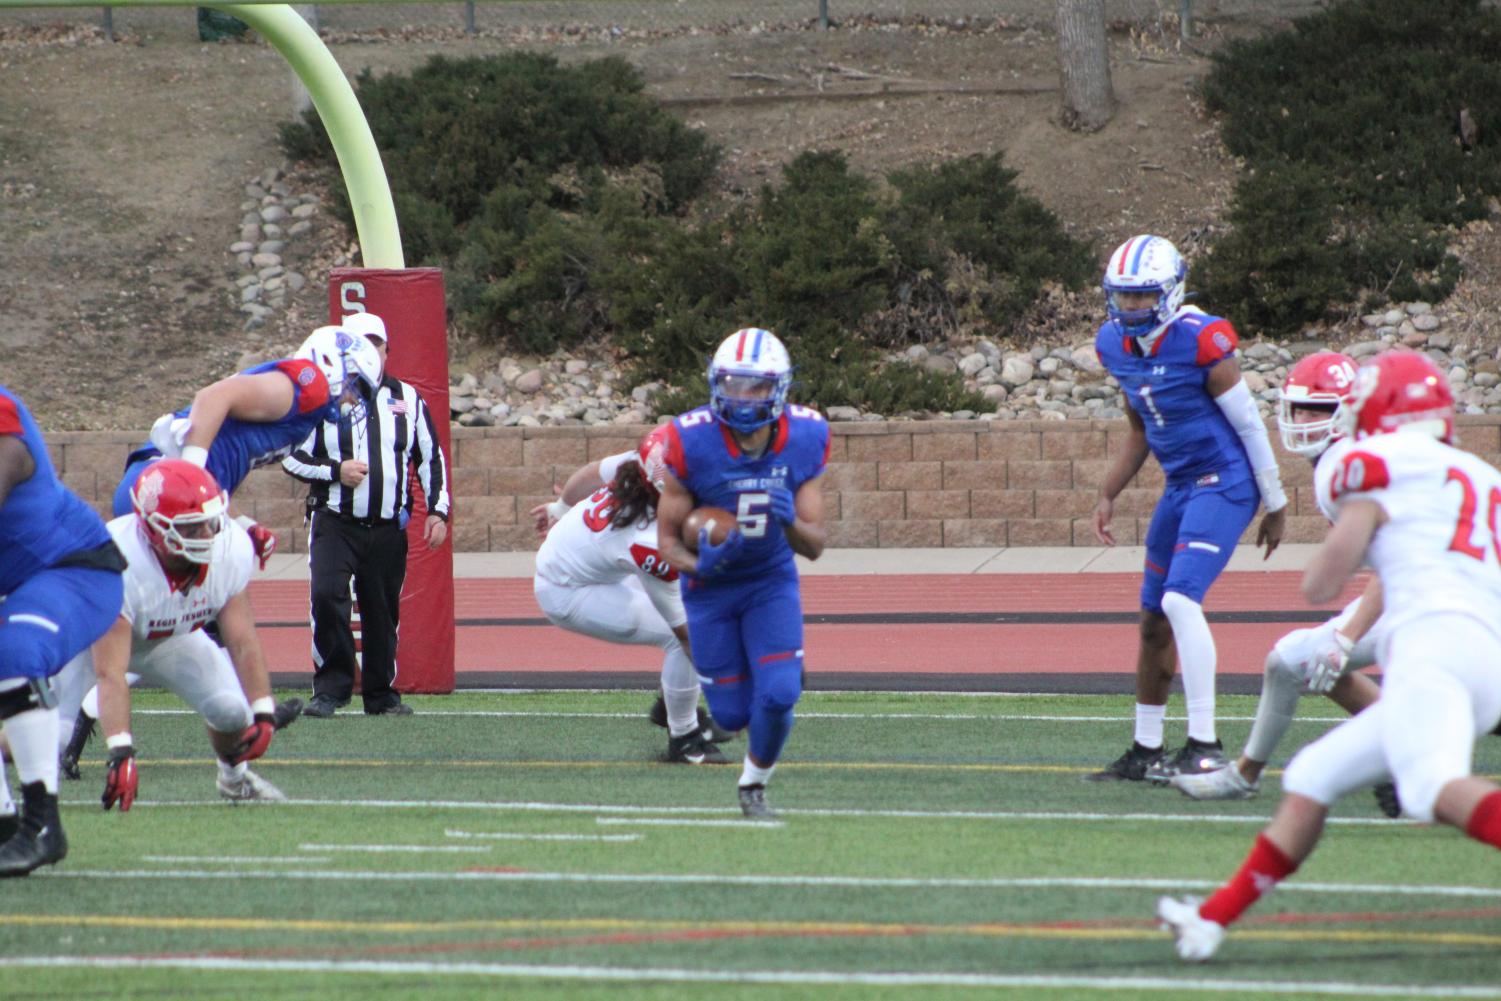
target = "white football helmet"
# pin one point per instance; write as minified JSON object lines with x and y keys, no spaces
{"x":748,"y":379}
{"x":1145,"y":264}
{"x":344,"y":358}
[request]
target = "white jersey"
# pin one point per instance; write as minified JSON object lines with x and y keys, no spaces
{"x":154,"y":608}
{"x":1439,"y":550}
{"x":583,"y":548}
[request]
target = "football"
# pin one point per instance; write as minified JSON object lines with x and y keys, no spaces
{"x":719,"y":520}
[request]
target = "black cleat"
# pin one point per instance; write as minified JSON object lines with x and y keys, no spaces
{"x":286,"y":712}
{"x":39,"y":838}
{"x":8,"y":824}
{"x":1194,"y":758}
{"x":693,"y":749}
{"x":712,"y":731}
{"x":83,"y":729}
{"x":322,"y":707}
{"x":1129,"y":767}
{"x":753,"y":803}
{"x":1386,"y":799}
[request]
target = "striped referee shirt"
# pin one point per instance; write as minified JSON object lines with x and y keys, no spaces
{"x":396,"y":431}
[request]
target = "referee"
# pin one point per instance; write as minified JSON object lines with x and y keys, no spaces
{"x":359,"y":505}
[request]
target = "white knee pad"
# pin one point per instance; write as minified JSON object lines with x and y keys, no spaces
{"x":226,"y":712}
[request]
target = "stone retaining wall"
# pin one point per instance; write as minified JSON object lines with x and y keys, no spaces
{"x":890,"y":484}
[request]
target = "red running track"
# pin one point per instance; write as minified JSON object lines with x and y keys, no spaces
{"x":882,"y":648}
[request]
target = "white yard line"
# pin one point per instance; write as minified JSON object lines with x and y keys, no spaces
{"x":412,"y":849}
{"x":794,"y":880}
{"x":1224,"y":985}
{"x":610,"y":808}
{"x":252,"y":859}
{"x":689,"y":822}
{"x":998,"y":717}
{"x":515,"y":836}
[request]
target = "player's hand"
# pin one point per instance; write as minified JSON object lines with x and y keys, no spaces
{"x":1104,"y":510}
{"x":255,"y":739}
{"x":121,"y":780}
{"x":352,"y":472}
{"x":263,"y":541}
{"x":713,"y":559}
{"x":1269,"y":534}
{"x":1328,"y":665}
{"x":783,"y":506}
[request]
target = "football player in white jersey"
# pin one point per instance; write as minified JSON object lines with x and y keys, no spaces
{"x":1323,"y":659}
{"x":188,"y":564}
{"x":1425,"y":515}
{"x":599,"y":573}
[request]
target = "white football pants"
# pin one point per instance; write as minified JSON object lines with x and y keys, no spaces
{"x":619,"y":613}
{"x":1442,"y":688}
{"x":191,"y":666}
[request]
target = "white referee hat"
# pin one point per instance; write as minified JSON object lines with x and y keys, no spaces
{"x":366,"y":325}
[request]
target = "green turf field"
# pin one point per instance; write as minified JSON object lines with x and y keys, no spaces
{"x":527,"y":845}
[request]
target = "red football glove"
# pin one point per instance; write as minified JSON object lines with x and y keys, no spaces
{"x":255,"y":739}
{"x":121,"y":780}
{"x":264,"y":541}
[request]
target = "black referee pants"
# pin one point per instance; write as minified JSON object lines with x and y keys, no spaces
{"x":375,"y":557}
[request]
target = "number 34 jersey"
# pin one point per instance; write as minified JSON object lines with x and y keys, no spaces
{"x":584,"y":549}
{"x":1438,"y":550}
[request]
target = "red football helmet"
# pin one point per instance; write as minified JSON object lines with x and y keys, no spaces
{"x":1319,"y":383}
{"x":651,"y":458}
{"x":181,"y":507}
{"x":1400,"y":391}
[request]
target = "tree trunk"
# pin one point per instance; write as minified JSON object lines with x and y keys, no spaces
{"x":1084,"y":64}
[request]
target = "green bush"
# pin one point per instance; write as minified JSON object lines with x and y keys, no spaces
{"x":1349,"y":123}
{"x":565,"y":209}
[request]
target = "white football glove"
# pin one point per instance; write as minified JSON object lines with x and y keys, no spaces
{"x":1328,"y":665}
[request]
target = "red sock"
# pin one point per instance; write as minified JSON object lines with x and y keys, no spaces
{"x":1485,"y":820}
{"x":1264,"y":868}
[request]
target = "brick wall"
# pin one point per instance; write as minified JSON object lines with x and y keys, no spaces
{"x":889,"y":484}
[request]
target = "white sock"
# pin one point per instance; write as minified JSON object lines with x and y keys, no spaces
{"x":1149,"y":725}
{"x":33,"y":745}
{"x":679,"y":689}
{"x":754,"y":774}
{"x":1198,"y":660}
{"x":90,"y":706}
{"x":232,"y":773}
{"x":7,"y":804}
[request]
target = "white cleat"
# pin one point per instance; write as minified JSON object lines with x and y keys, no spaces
{"x":1222,"y":783}
{"x":1197,"y":938}
{"x":250,"y":788}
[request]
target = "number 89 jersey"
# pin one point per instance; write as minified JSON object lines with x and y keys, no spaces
{"x":703,"y":455}
{"x":1439,"y":550}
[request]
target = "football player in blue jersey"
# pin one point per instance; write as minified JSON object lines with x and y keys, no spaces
{"x":1188,"y":407}
{"x":60,"y":590}
{"x":242,"y":422}
{"x":761,"y":458}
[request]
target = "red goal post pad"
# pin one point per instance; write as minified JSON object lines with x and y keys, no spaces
{"x":410,"y":301}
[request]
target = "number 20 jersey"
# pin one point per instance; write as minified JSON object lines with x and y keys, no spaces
{"x":1164,"y":383}
{"x":1438,"y":550}
{"x":702,"y":454}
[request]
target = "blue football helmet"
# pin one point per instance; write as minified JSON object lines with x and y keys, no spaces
{"x":1145,"y":264}
{"x":748,"y":379}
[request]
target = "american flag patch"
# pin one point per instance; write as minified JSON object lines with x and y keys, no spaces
{"x":396,"y":406}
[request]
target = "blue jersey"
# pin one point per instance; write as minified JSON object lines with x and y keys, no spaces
{"x":241,"y":446}
{"x":42,"y":522}
{"x":1186,"y":430}
{"x":702,"y":454}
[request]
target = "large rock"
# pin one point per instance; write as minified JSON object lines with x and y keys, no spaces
{"x":1017,"y":370}
{"x":529,"y":382}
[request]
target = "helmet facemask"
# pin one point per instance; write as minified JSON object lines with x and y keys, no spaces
{"x":746,"y":401}
{"x":1305,"y":436}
